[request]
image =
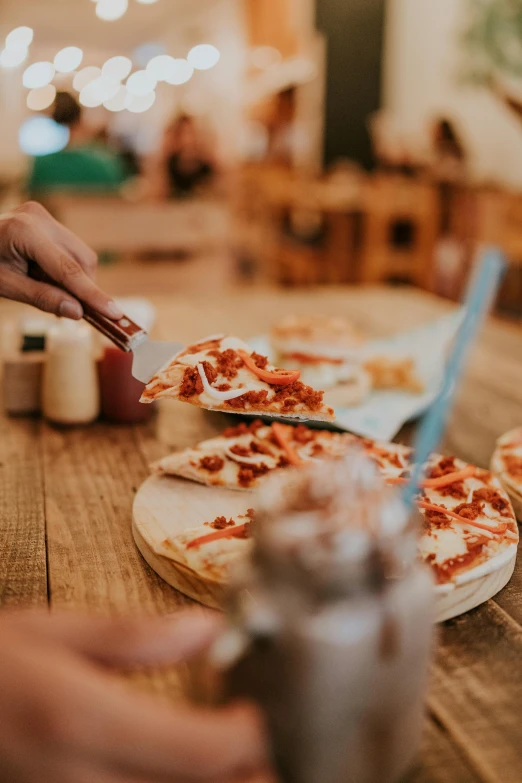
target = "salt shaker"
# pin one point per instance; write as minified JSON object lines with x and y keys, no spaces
{"x":332,"y":623}
{"x":70,"y":393}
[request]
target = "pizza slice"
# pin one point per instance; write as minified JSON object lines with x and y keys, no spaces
{"x":224,"y":374}
{"x":506,"y":463}
{"x":326,"y":352}
{"x":213,"y":549}
{"x":468,"y":517}
{"x":242,"y":456}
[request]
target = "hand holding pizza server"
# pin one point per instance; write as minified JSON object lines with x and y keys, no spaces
{"x":63,"y":717}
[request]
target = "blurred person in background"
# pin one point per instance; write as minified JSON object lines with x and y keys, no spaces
{"x":64,"y":715}
{"x":187,"y":163}
{"x":449,"y":159}
{"x":85,"y":165}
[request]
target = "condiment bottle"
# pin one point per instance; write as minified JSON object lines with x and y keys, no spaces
{"x":70,"y":393}
{"x":332,"y":626}
{"x":120,"y":391}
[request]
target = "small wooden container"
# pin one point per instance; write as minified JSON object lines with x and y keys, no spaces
{"x":22,"y":383}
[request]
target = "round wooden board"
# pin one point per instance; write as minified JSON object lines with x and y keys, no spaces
{"x":164,"y":507}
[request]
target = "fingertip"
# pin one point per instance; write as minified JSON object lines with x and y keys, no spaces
{"x":71,"y":310}
{"x":113,"y":311}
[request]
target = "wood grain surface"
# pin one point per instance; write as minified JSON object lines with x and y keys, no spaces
{"x":66,"y":498}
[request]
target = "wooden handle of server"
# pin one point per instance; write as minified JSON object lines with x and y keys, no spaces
{"x":122,"y":333}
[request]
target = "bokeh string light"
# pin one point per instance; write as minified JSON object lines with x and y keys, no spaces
{"x":117,"y":68}
{"x":86,"y":75}
{"x":16,"y":48}
{"x":12,"y":59}
{"x":203,"y":57}
{"x":41,"y":98}
{"x":119,"y":101}
{"x":141,"y":83}
{"x":38,"y":75}
{"x":19,"y":38}
{"x":181,"y":72}
{"x":68,"y":59}
{"x":110,"y":10}
{"x":141,"y":103}
{"x":104,"y":86}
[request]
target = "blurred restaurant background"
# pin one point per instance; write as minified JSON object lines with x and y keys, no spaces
{"x":199,"y":145}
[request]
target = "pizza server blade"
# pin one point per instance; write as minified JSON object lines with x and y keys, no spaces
{"x":149,"y":356}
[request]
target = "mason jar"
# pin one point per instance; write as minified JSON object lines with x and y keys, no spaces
{"x":331,"y":625}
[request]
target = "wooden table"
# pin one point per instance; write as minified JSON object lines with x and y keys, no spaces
{"x":65,"y":512}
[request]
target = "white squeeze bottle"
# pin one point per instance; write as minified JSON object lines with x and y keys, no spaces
{"x":70,"y":393}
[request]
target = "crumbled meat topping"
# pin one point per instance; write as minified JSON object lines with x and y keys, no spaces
{"x":301,"y":393}
{"x":249,"y":473}
{"x":191,"y":383}
{"x":259,"y":447}
{"x":257,"y":399}
{"x":469,"y":510}
{"x":260,"y":361}
{"x":240,"y":451}
{"x":243,"y":428}
{"x":220,"y":523}
{"x":446,"y":465}
{"x":455,"y":490}
{"x":494,"y":498}
{"x":211,"y":463}
{"x":223,"y":387}
{"x":303,"y":434}
{"x":437,"y":518}
{"x":227,"y":362}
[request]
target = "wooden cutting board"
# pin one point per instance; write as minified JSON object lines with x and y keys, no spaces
{"x":165,"y":506}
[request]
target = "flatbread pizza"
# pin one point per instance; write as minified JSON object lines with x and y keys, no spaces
{"x":242,"y":456}
{"x":467,"y":516}
{"x":224,"y":374}
{"x":506,"y":463}
{"x":331,"y":354}
{"x":325,"y":351}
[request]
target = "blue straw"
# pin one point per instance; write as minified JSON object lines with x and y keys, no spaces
{"x":482,"y":289}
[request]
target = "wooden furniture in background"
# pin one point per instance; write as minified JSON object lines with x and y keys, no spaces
{"x":66,"y":499}
{"x":277,"y":199}
{"x":389,"y":201}
{"x":115,"y":225}
{"x":273,"y":24}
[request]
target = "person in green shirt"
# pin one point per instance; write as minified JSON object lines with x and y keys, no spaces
{"x":83,"y":166}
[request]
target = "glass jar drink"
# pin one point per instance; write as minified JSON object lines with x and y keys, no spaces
{"x":334,"y":619}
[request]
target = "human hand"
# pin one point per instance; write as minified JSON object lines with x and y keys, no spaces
{"x":30,"y":234}
{"x":64,"y":719}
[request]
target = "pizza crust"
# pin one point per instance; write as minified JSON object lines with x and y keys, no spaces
{"x":510,"y":485}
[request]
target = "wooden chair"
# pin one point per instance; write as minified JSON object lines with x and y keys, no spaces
{"x":389,"y":201}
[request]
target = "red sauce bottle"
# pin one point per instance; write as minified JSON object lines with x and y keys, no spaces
{"x":120,"y":391}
